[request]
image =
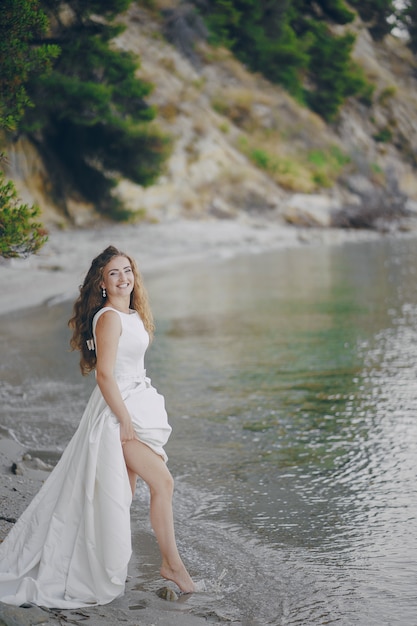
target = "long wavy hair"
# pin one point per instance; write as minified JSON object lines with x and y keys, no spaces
{"x":91,"y":300}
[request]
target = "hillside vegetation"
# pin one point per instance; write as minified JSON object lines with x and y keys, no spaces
{"x":307,"y":114}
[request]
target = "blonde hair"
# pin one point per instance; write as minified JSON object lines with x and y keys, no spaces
{"x":91,"y":300}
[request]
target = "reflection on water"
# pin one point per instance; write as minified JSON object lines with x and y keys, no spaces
{"x":290,"y":379}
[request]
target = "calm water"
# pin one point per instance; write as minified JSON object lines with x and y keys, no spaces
{"x":291,"y":383}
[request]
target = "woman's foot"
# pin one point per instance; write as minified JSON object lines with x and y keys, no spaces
{"x":179,"y":576}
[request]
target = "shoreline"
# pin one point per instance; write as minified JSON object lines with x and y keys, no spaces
{"x":17,"y":488}
{"x":52,"y":276}
{"x":55,"y":272}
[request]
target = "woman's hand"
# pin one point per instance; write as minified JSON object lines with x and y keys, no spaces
{"x":127,"y":432}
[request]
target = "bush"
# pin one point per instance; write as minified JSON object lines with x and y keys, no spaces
{"x":384,"y":135}
{"x":20,"y":235}
{"x":327,"y":165}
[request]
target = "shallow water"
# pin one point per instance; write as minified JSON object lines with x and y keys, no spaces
{"x":290,"y":380}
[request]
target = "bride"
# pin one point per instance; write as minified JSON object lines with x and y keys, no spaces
{"x":72,"y":545}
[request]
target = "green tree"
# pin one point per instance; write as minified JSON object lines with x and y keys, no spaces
{"x":20,"y":233}
{"x":91,"y":108}
{"x":331,"y":10}
{"x":21,"y":24}
{"x":334,"y":74}
{"x":89,"y":117}
{"x":291,"y":44}
{"x":261,"y":36}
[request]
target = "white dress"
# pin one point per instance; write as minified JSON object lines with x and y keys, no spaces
{"x":72,"y":545}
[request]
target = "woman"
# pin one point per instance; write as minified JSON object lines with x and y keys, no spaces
{"x":72,"y":545}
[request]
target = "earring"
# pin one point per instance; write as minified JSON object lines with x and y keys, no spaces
{"x":104,"y":292}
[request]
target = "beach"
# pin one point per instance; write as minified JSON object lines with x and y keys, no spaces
{"x":53,"y":276}
{"x":56,"y":271}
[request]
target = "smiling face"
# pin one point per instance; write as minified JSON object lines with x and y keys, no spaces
{"x":118,"y":277}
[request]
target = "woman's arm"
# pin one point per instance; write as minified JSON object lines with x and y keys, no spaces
{"x":108,"y":331}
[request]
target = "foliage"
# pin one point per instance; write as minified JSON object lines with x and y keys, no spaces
{"x":260,"y":35}
{"x":291,"y":44}
{"x":334,"y":10}
{"x":334,"y":74}
{"x":286,"y":171}
{"x":386,"y":94}
{"x":89,"y":112}
{"x":20,"y":235}
{"x":297,"y":171}
{"x":263,"y":160}
{"x":21,"y":23}
{"x":327,"y":165}
{"x":377,"y":14}
{"x":381,"y":16}
{"x":384,"y":135}
{"x":408,"y":17}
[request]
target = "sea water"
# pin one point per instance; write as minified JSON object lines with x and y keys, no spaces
{"x":290,"y":381}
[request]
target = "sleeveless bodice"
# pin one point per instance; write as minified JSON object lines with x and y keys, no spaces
{"x":133,"y":343}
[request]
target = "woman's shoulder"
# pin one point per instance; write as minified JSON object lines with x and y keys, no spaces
{"x":100,"y":312}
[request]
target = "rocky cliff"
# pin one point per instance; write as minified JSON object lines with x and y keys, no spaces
{"x":244,"y":149}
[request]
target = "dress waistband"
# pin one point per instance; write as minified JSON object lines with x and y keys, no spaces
{"x":131,"y":377}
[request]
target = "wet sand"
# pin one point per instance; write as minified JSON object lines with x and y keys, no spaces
{"x":135,"y":607}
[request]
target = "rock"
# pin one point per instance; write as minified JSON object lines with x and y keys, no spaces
{"x":29,"y":462}
{"x":309,"y":210}
{"x":33,"y":182}
{"x":18,"y":616}
{"x":10,"y":520}
{"x":37,"y":463}
{"x":411,"y":207}
{"x":183,"y":27}
{"x":408,"y":225}
{"x":17,"y":469}
{"x":166,"y":593}
{"x":359,"y":185}
{"x":382,"y":209}
{"x":221,"y":209}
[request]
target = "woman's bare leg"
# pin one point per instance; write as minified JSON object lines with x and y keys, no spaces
{"x":144,"y":462}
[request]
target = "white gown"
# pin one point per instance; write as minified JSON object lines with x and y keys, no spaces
{"x":71,"y":546}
